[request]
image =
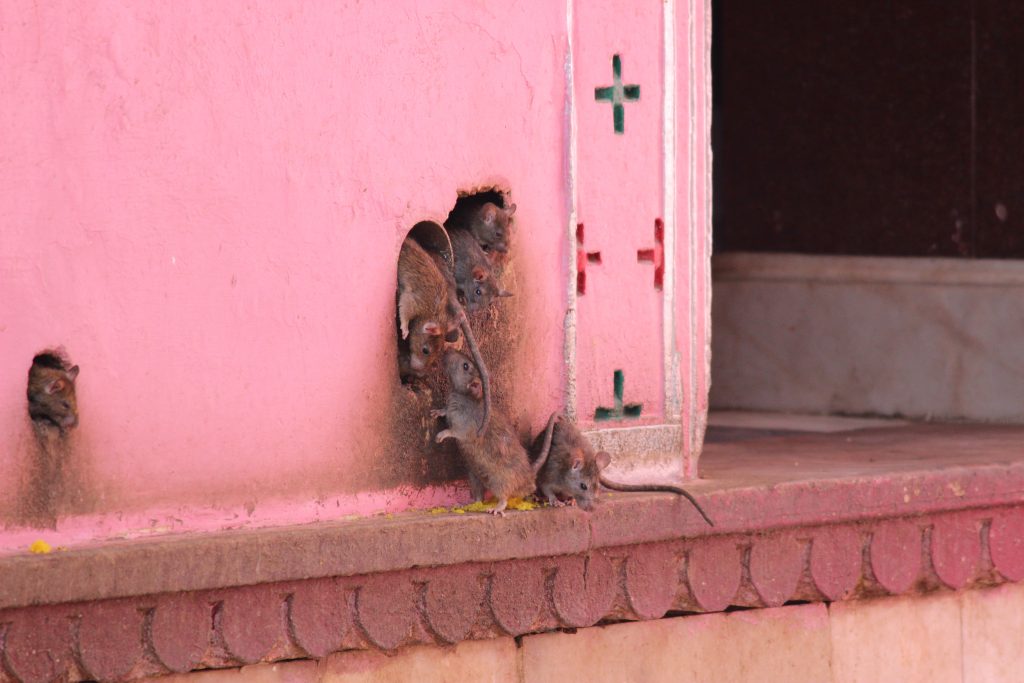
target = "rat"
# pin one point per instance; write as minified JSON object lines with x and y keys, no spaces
{"x":474,"y":280}
{"x":496,"y":460}
{"x":573,"y":471}
{"x":429,"y":314}
{"x":488,"y":223}
{"x":51,"y":391}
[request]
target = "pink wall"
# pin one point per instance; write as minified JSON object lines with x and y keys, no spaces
{"x":204,"y":204}
{"x":620,"y":196}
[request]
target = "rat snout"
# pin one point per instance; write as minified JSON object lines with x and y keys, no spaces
{"x":417,"y":363}
{"x":585,"y":503}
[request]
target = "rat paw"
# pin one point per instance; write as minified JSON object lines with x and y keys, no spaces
{"x":438,"y":412}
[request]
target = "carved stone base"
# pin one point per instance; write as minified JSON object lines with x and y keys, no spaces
{"x":384,"y":584}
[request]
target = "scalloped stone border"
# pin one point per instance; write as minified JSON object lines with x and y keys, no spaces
{"x":150,"y":635}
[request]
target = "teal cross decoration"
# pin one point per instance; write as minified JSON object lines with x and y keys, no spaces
{"x":616,"y":94}
{"x":619,"y":411}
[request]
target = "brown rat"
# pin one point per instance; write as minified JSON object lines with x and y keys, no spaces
{"x":474,"y":279}
{"x":51,"y":391}
{"x":573,"y":471}
{"x":489,"y":223}
{"x":423,"y":317}
{"x":496,"y":460}
{"x":430,"y":314}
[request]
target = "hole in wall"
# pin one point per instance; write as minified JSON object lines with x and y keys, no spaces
{"x":468,"y":256}
{"x":469,"y":201}
{"x":425,"y":274}
{"x":415,"y":459}
{"x":53,"y":411}
{"x":51,"y":390}
{"x":488,"y":214}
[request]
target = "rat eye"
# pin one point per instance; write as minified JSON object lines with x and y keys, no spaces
{"x":465,"y":366}
{"x":425,"y":350}
{"x":583,"y":485}
{"x":479,"y":292}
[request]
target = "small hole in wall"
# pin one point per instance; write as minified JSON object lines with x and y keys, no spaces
{"x":487,"y":214}
{"x":469,"y":202}
{"x":53,"y":410}
{"x":52,"y":401}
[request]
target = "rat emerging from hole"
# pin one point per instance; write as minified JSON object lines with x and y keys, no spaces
{"x":51,"y":391}
{"x":474,"y":280}
{"x":429,"y":314}
{"x":496,"y":460}
{"x":573,"y":471}
{"x":488,"y":223}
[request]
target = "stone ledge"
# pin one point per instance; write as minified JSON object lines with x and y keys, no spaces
{"x":935,"y":522}
{"x":789,"y":267}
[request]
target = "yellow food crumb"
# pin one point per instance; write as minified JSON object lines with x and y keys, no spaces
{"x":438,"y":511}
{"x":39,"y":547}
{"x":513,"y":504}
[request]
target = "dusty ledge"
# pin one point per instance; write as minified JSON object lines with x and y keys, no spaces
{"x":754,"y":486}
{"x":820,"y":517}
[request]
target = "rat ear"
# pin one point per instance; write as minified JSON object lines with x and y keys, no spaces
{"x":452,"y":335}
{"x":53,"y":386}
{"x":603,"y":459}
{"x":476,"y":388}
{"x":479,"y":274}
{"x":489,"y":213}
{"x":511,"y":210}
{"x":72,"y":373}
{"x":577,"y":461}
{"x":432,"y":329}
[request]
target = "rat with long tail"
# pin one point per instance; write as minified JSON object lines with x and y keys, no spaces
{"x":573,"y":471}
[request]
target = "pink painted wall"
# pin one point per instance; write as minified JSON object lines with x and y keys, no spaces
{"x":620,"y":196}
{"x":204,"y":204}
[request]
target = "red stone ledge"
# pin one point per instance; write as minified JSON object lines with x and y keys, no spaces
{"x":230,"y":599}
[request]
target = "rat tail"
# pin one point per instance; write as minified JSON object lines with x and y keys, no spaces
{"x":485,"y":377}
{"x":616,"y":486}
{"x":549,"y":432}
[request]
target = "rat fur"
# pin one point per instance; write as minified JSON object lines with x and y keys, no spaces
{"x":574,"y":471}
{"x":51,"y":391}
{"x":496,"y":460}
{"x":474,"y":279}
{"x":489,"y":224}
{"x":429,"y":314}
